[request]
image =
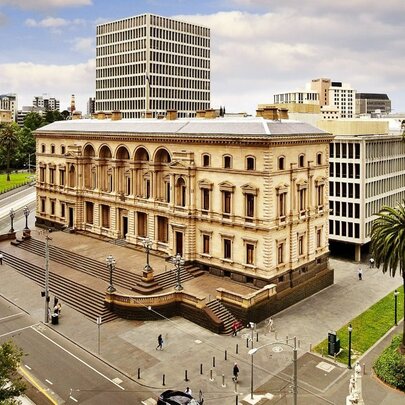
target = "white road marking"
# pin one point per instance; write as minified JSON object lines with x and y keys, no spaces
{"x":49,"y":382}
{"x":12,"y":316}
{"x":79,"y":359}
{"x":27,"y":366}
{"x":18,"y":330}
{"x":73,"y":399}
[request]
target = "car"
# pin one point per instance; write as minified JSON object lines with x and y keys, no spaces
{"x":172,"y":397}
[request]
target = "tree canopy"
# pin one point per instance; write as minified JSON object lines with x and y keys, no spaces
{"x":11,"y":383}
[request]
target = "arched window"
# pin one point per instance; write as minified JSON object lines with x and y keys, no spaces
{"x":52,"y":148}
{"x":250,"y":163}
{"x":63,"y":149}
{"x":181,"y":192}
{"x":43,"y":148}
{"x":206,"y":160}
{"x":319,"y":158}
{"x":301,"y":160}
{"x":281,"y":163}
{"x":227,"y":162}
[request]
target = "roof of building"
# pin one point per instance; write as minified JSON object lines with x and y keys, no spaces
{"x":252,"y":126}
{"x":376,"y":96}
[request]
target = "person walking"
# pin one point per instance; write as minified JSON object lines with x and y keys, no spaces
{"x":371,"y":263}
{"x":234,"y":328}
{"x":160,"y":343}
{"x":188,"y":391}
{"x":360,"y":274}
{"x":1,"y":258}
{"x":235,"y":372}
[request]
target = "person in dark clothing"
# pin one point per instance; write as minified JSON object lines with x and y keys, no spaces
{"x":235,"y":372}
{"x":160,"y":343}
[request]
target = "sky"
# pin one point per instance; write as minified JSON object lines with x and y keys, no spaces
{"x":258,"y":47}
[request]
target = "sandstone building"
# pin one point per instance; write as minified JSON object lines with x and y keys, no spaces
{"x":241,"y":197}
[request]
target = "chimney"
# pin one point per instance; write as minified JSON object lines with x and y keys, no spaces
{"x":200,"y":114}
{"x":283,"y":113}
{"x":270,"y":113}
{"x":101,"y":115}
{"x":148,"y":114}
{"x":259,"y":112}
{"x":76,"y":115}
{"x":116,"y":115}
{"x":171,"y":115}
{"x":211,"y":113}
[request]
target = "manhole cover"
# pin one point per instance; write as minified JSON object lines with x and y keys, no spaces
{"x":277,"y":349}
{"x":325,"y":366}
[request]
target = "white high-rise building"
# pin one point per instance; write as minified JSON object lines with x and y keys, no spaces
{"x":46,"y":103}
{"x":148,"y":64}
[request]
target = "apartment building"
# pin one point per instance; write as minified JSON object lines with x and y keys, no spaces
{"x":372,"y":103}
{"x":46,"y":103}
{"x":9,"y":102}
{"x":148,"y":64}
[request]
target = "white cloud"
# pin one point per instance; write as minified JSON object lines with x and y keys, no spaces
{"x":45,"y":4}
{"x":83,"y":45}
{"x":53,"y":22}
{"x":29,"y":80}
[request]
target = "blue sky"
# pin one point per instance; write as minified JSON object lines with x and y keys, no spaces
{"x":259,"y":47}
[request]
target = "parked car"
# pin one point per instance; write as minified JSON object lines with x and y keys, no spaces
{"x":172,"y":397}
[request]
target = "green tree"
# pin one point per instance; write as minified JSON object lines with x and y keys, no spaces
{"x":9,"y":142}
{"x":33,"y":121}
{"x":11,"y":383}
{"x":388,"y":245}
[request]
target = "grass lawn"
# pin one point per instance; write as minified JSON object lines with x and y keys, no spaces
{"x":368,"y":327}
{"x":16,"y":179}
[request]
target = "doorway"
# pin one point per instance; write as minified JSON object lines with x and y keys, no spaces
{"x":124,"y":227}
{"x":179,"y":243}
{"x":71,"y":217}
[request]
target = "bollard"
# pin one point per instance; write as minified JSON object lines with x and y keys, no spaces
{"x":322,"y":351}
{"x":247,"y":342}
{"x":226,"y":355}
{"x":211,"y":377}
{"x":286,"y":339}
{"x":201,"y":369}
{"x":237,"y":399}
{"x":334,"y":357}
{"x":223,"y":381}
{"x":364,"y":368}
{"x":257,"y":336}
{"x":139,"y":373}
{"x":213,"y":361}
{"x":185,"y":375}
{"x":237,"y":348}
{"x":164,"y":380}
{"x":310,"y":347}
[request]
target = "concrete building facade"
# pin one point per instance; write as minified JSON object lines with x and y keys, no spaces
{"x":149,"y":64}
{"x":46,"y":103}
{"x":372,"y":103}
{"x":9,"y":102}
{"x":243,"y":197}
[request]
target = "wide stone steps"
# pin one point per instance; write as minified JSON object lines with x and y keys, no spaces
{"x":83,"y":299}
{"x":223,"y":314}
{"x":169,"y":278}
{"x":121,"y":277}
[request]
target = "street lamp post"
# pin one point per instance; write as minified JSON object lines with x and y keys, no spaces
{"x":147,"y":244}
{"x":252,"y":325}
{"x":47,"y":239}
{"x":349,"y":358}
{"x":178,"y":261}
{"x":252,"y":351}
{"x":396,"y":292}
{"x":12,"y":215}
{"x":111,"y":266}
{"x":26,"y":212}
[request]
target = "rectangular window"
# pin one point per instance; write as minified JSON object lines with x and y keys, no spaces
{"x":281,"y":205}
{"x":206,"y":244}
{"x":52,"y":176}
{"x":62,"y":210}
{"x":280,"y":253}
{"x":142,"y":224}
{"x":61,"y":177}
{"x":42,"y":205}
{"x":205,"y":199}
{"x":250,"y":205}
{"x":227,"y":249}
{"x":89,"y":212}
{"x":163,"y":229}
{"x":52,"y":207}
{"x":250,"y":253}
{"x":226,"y":202}
{"x":302,"y":205}
{"x":319,"y":238}
{"x":300,"y":245}
{"x":42,"y":174}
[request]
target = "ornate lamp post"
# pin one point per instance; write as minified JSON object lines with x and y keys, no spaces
{"x":12,"y":215}
{"x":178,"y":261}
{"x":349,"y":359}
{"x":26,"y":212}
{"x":396,"y":292}
{"x":147,"y":244}
{"x":111,"y":266}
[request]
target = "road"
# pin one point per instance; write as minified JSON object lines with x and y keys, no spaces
{"x":66,"y":373}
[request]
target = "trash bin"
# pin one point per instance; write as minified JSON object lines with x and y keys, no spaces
{"x":55,"y":319}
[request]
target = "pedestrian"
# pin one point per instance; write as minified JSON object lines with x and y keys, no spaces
{"x":160,"y":343}
{"x":271,"y":324}
{"x":371,"y":262}
{"x":235,"y":372}
{"x":188,"y":391}
{"x":57,"y":308}
{"x":1,"y":258}
{"x":360,"y":274}
{"x":234,"y":328}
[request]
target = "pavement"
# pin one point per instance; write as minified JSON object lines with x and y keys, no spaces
{"x":207,"y":359}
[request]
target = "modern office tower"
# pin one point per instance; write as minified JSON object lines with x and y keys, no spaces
{"x":148,"y":64}
{"x":336,"y":94}
{"x":366,"y":171}
{"x":372,"y":103}
{"x":9,"y":102}
{"x":46,"y":103}
{"x":91,"y":106}
{"x":298,"y":96}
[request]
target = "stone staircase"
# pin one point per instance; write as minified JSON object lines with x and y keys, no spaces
{"x":83,"y":299}
{"x":223,"y":314}
{"x":169,"y":278}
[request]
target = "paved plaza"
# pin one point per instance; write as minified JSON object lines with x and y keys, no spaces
{"x":130,"y":345}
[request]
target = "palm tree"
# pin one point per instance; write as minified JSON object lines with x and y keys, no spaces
{"x":8,"y":142}
{"x":388,"y":245}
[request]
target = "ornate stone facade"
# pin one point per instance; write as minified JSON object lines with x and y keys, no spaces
{"x":245,"y":198}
